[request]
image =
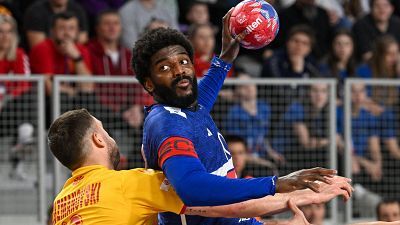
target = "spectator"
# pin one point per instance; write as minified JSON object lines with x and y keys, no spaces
{"x":9,"y":9}
{"x":196,"y":14}
{"x":303,"y":132}
{"x":15,"y":96}
{"x":94,"y":7}
{"x":336,"y":13}
{"x":295,"y":60}
{"x":111,"y":59}
{"x":202,"y":37}
{"x":314,"y":213}
{"x":61,"y":54}
{"x":306,"y":12}
{"x":247,"y":166}
{"x":384,"y":63}
{"x":388,"y":210}
{"x":122,"y":102}
{"x":38,"y":19}
{"x":379,"y":22}
{"x":356,"y":9}
{"x":367,"y":158}
{"x":238,"y":149}
{"x":250,"y":119}
{"x":13,"y":60}
{"x":136,"y":14}
{"x":154,"y":24}
{"x":340,"y":62}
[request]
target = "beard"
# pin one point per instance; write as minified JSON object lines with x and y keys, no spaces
{"x":169,"y":96}
{"x":113,"y":153}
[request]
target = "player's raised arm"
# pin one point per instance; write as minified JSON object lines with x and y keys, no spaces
{"x":213,"y":80}
{"x":275,"y":204}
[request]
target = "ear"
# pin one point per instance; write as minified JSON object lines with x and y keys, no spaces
{"x":98,"y":140}
{"x":149,"y":85}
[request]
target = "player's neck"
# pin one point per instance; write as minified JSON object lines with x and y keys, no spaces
{"x":91,"y":161}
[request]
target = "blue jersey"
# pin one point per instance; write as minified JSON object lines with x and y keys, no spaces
{"x":191,"y":132}
{"x":253,"y":128}
{"x":363,"y":127}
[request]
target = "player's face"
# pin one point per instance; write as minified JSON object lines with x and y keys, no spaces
{"x":66,"y":30}
{"x":389,"y":212}
{"x":172,"y":79}
{"x":109,"y":27}
{"x":6,"y":36}
{"x":319,"y":95}
{"x":343,"y":46}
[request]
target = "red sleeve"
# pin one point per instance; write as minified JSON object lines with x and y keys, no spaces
{"x":175,"y":146}
{"x":21,"y":65}
{"x":41,"y":59}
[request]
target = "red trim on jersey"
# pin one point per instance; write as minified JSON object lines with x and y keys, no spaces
{"x":231,"y":174}
{"x":183,"y":210}
{"x":175,"y":146}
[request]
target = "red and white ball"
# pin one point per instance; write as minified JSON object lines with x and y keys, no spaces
{"x":258,"y":19}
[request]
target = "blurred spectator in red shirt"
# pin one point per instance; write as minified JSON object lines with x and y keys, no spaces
{"x":38,"y":19}
{"x":61,"y":54}
{"x":16,"y":103}
{"x":202,"y":37}
{"x":112,"y":59}
{"x":13,"y":60}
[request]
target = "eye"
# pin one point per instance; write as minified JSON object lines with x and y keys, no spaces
{"x":164,"y":68}
{"x":185,"y":62}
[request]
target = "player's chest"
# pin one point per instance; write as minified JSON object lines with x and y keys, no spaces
{"x":210,"y":144}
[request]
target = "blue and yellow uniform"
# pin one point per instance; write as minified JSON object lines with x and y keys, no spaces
{"x":188,"y":147}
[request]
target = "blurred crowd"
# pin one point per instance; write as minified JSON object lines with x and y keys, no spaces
{"x":317,"y":39}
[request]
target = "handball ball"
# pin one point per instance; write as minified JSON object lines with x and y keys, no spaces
{"x":258,"y":20}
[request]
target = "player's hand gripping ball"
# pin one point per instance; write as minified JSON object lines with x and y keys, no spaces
{"x":258,"y":20}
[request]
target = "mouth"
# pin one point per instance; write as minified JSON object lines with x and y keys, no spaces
{"x":184,"y":83}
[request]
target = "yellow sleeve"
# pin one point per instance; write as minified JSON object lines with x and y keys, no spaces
{"x":150,"y":189}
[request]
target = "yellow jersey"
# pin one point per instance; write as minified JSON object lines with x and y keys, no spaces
{"x":98,"y":195}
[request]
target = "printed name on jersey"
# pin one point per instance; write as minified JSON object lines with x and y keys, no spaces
{"x":174,"y":110}
{"x":175,"y":146}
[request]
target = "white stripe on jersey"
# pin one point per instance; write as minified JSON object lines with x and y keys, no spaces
{"x":224,"y":169}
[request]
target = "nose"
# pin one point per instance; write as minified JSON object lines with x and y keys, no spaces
{"x":179,"y":70}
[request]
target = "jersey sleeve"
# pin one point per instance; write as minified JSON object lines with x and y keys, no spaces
{"x":149,"y":189}
{"x":167,"y":134}
{"x":197,"y":187}
{"x":212,"y":82}
{"x":387,"y":124}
